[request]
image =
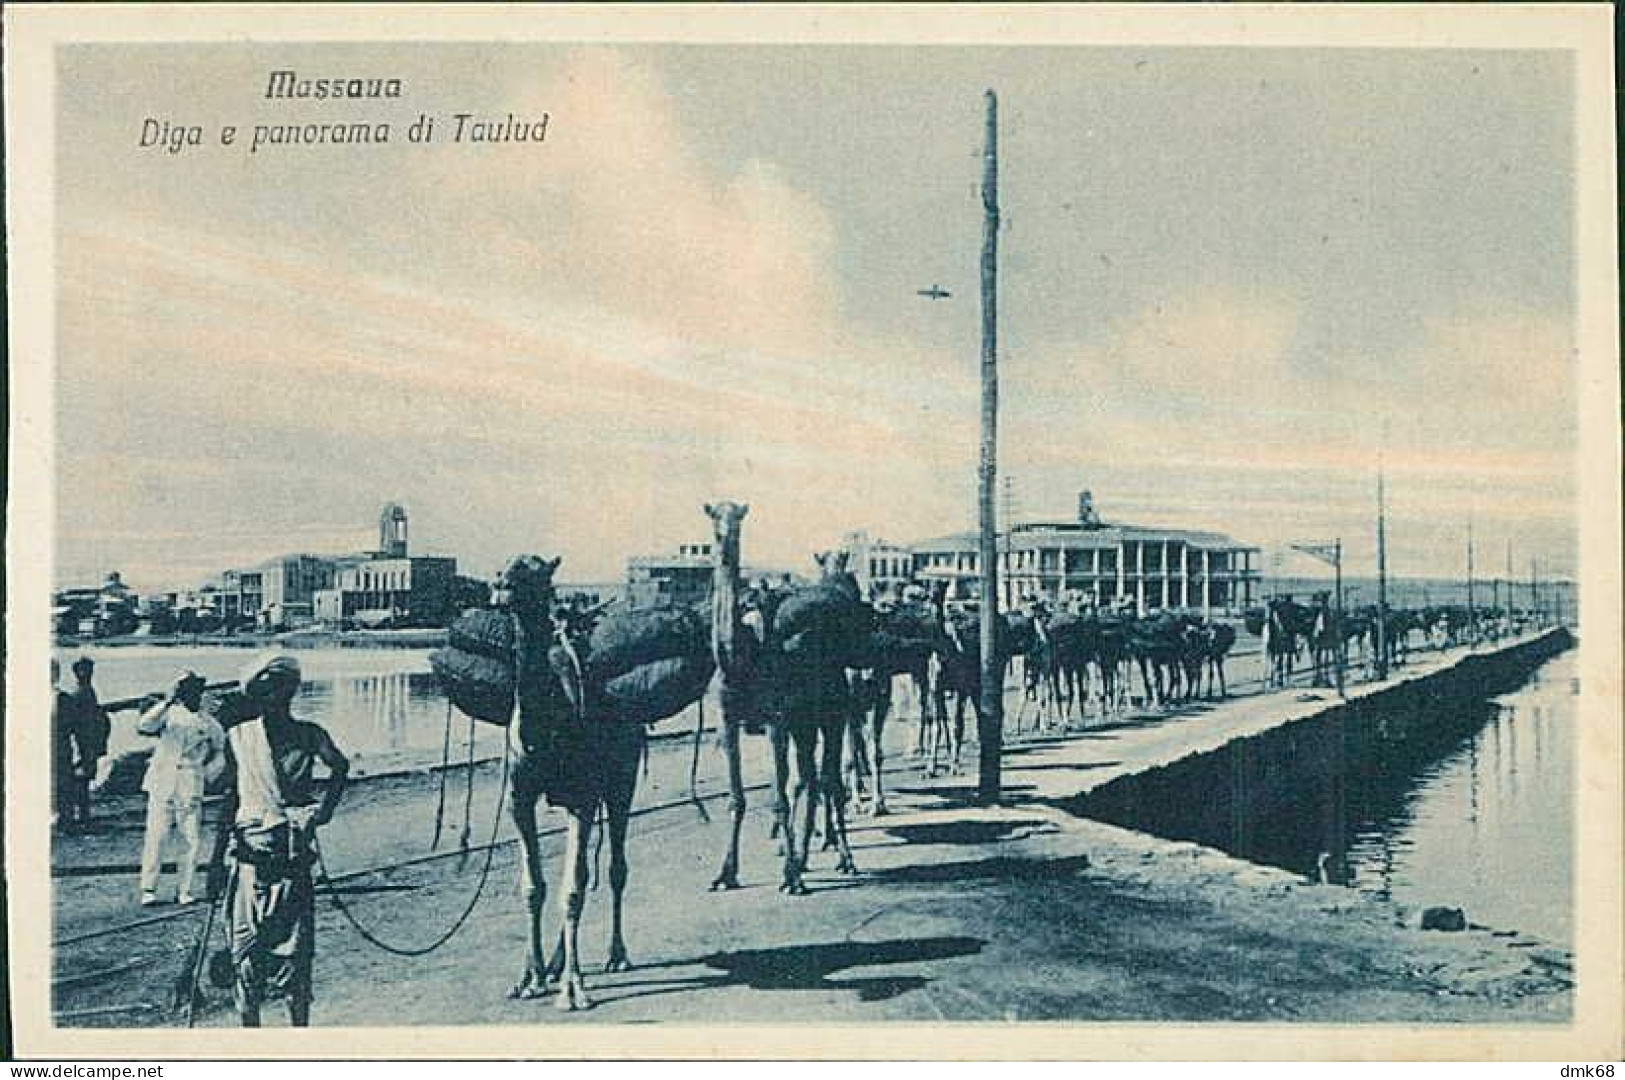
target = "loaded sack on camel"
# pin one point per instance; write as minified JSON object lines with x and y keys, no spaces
{"x":634,"y":665}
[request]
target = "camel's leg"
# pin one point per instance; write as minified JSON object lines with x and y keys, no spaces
{"x":856,"y":761}
{"x":778,"y":735}
{"x":728,"y":876}
{"x":830,"y":783}
{"x":795,"y":848}
{"x":619,"y":796}
{"x":877,"y":755}
{"x":572,"y":989}
{"x":526,"y":790}
{"x":809,"y":792}
{"x":922,"y":694}
{"x":939,"y":727}
{"x":959,"y":728}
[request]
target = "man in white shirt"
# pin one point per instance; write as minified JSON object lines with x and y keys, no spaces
{"x":190,"y":753}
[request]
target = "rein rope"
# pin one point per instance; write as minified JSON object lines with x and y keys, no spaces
{"x":468,"y":799}
{"x":445,"y":765}
{"x":479,"y":888}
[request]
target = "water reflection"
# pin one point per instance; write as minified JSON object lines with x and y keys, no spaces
{"x":1433,"y":798}
{"x":383,"y":707}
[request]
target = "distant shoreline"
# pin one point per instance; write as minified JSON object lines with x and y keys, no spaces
{"x":429,"y":638}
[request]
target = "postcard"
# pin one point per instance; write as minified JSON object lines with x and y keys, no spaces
{"x":849,"y":531}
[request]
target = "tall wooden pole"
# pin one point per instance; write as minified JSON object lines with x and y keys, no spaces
{"x":1342,"y":642}
{"x":1472,"y":613}
{"x":1534,"y":592}
{"x":1511,"y":581}
{"x":1382,"y":576}
{"x":990,"y":723}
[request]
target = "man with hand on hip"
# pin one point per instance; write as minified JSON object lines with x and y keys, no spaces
{"x":190,"y":753}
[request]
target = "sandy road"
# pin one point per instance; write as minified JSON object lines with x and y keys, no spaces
{"x":958,"y":913}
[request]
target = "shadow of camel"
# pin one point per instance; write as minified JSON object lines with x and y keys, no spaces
{"x":997,"y":867}
{"x":966,"y":832}
{"x":807,"y":967}
{"x":958,"y":794}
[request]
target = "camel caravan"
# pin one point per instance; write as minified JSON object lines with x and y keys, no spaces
{"x":814,"y":669}
{"x":1316,"y":637}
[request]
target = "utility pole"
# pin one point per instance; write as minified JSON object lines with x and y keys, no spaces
{"x":1534,"y":593}
{"x":1472,"y":614}
{"x":1342,"y":642}
{"x":991,"y":719}
{"x":1382,"y":575}
{"x":1510,"y":585}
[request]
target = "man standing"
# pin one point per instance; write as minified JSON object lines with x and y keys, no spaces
{"x":62,"y":751}
{"x":87,"y":728}
{"x":190,"y":752}
{"x":274,"y":813}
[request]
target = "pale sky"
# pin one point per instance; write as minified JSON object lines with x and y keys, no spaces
{"x":1224,"y":274}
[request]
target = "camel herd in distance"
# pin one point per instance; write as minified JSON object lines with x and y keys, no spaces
{"x":813,"y":668}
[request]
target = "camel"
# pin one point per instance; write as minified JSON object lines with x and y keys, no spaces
{"x":960,"y":675}
{"x":818,"y":635}
{"x":904,"y":638}
{"x":581,"y":697}
{"x":1325,"y":638}
{"x":783,"y":659}
{"x":737,"y":641}
{"x":1217,"y":641}
{"x":1286,"y":625}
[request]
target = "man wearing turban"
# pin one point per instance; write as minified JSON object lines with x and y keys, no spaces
{"x":274,"y":810}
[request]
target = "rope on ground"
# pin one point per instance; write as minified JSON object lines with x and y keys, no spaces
{"x":468,"y":803}
{"x":445,"y":765}
{"x":479,"y":888}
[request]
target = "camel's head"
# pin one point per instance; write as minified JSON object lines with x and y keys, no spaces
{"x":526,"y":585}
{"x":725,"y":518}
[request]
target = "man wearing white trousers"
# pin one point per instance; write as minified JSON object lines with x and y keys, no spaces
{"x":190,"y":753}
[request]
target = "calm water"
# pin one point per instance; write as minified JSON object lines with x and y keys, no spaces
{"x":1490,"y":828}
{"x":1433,"y":797}
{"x":382,"y":706}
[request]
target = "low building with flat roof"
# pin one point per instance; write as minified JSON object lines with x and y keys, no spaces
{"x":676,"y":579}
{"x":1156,"y":567}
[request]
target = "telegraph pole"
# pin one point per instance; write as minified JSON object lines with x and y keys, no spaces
{"x":991,"y":718}
{"x":1534,"y":593}
{"x":1342,"y":642}
{"x":1511,"y":584}
{"x":1382,"y":576}
{"x":1472,"y":614}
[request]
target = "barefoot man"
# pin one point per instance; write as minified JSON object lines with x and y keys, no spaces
{"x":275,"y":813}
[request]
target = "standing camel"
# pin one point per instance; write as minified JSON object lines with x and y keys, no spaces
{"x":904,"y":638}
{"x":816,"y":635}
{"x":737,"y":641}
{"x":580,"y":700}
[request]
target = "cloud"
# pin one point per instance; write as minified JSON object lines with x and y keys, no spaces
{"x":620,"y":212}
